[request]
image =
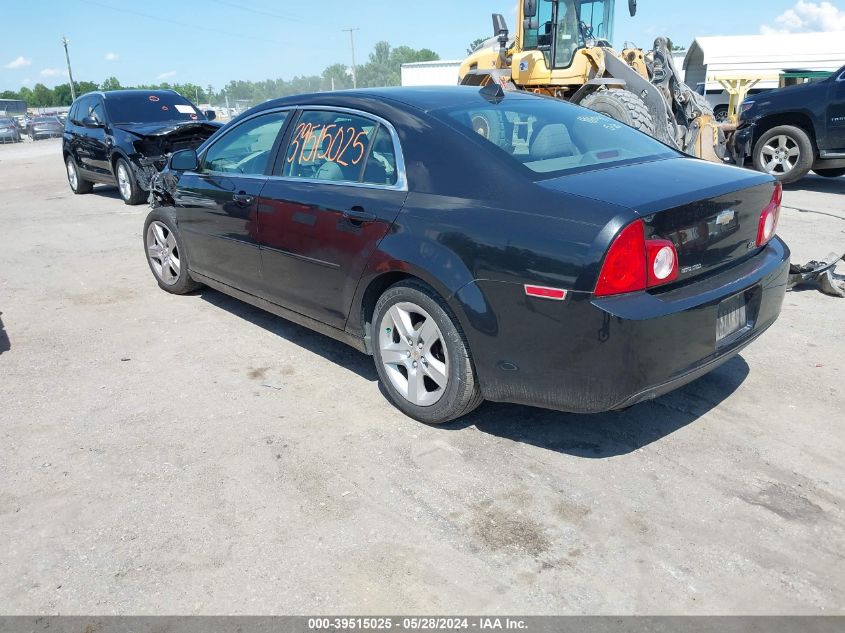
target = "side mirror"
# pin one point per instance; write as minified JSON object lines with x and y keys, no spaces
{"x":500,"y":27}
{"x":90,"y":121}
{"x":184,"y":160}
{"x":632,"y":7}
{"x":210,"y":115}
{"x":530,"y":8}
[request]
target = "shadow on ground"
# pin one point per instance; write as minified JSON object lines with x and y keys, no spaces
{"x":590,"y":436}
{"x":818,"y":184}
{"x":5,"y":345}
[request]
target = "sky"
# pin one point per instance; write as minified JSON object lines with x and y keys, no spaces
{"x":211,"y":42}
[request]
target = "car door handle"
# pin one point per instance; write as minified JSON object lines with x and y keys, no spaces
{"x":243,"y":199}
{"x":358,"y":214}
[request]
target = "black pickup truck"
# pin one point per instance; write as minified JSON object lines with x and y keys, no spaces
{"x":788,"y":132}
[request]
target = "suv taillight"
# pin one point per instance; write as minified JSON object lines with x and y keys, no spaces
{"x":769,"y":217}
{"x":634,"y":263}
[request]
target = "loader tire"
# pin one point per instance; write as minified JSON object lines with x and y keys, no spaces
{"x":624,"y":106}
{"x":490,"y":125}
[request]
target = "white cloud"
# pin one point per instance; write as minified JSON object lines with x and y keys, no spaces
{"x":26,"y":81}
{"x":51,"y":72}
{"x":19,"y":62}
{"x":807,"y":17}
{"x":112,"y":57}
{"x":169,"y":74}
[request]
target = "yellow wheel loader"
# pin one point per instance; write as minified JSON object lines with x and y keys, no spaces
{"x":562,"y":49}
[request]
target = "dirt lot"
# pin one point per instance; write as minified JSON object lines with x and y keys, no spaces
{"x":166,"y":454}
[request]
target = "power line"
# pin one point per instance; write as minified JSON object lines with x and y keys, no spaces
{"x":278,"y":16}
{"x":159,"y":18}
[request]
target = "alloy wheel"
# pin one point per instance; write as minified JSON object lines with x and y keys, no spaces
{"x":72,"y":178}
{"x":123,"y":182}
{"x":163,"y":253}
{"x":780,"y":154}
{"x":413,"y":354}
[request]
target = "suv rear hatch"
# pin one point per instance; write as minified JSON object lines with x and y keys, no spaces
{"x":710,"y":212}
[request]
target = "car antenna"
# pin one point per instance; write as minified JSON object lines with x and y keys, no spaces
{"x":492,"y":92}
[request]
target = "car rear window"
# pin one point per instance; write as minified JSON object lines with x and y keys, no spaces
{"x":552,"y":138}
{"x":151,"y":108}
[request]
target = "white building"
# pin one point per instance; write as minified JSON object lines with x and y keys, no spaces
{"x":754,"y":55}
{"x":438,"y":73}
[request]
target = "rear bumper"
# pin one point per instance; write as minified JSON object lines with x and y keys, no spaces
{"x":588,"y":355}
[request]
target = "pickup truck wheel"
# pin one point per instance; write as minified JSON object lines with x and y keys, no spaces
{"x":829,"y":173}
{"x":421,"y":355}
{"x":78,"y":184}
{"x":128,"y":187}
{"x":785,"y":152}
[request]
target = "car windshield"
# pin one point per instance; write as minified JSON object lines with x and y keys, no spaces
{"x":151,"y":108}
{"x":45,"y":119}
{"x":5,"y":121}
{"x":552,"y":138}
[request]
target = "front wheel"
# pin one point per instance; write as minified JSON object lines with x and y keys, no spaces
{"x":421,"y":356}
{"x":127,"y":185}
{"x":166,"y":255}
{"x":785,"y":152}
{"x":829,"y":173}
{"x":624,"y":106}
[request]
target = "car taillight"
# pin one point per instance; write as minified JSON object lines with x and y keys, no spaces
{"x":634,"y":263}
{"x":769,"y":217}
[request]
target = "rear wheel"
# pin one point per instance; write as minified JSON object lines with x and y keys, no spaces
{"x":128,"y":186}
{"x":421,"y":356}
{"x":624,"y":106}
{"x":829,"y":173}
{"x":77,"y":183}
{"x":720,"y":113}
{"x":785,"y":152}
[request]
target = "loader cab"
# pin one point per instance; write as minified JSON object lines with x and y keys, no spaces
{"x":559,"y":28}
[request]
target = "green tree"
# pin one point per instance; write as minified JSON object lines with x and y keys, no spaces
{"x":62,"y":96}
{"x":9,"y":94}
{"x":42,"y":96}
{"x":111,"y":83}
{"x":85,"y":86}
{"x":341,"y":76}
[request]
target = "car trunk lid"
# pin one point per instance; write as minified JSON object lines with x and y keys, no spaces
{"x":710,"y":212}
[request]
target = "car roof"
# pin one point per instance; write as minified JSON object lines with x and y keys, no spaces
{"x":425,"y":98}
{"x":127,"y":93}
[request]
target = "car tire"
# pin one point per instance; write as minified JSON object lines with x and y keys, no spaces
{"x":785,"y":152}
{"x":128,"y":187}
{"x":421,"y":355}
{"x":720,"y":113}
{"x":166,"y":254}
{"x":829,"y":173}
{"x":78,"y":185}
{"x":623,"y":106}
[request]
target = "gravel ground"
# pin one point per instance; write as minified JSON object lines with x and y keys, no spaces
{"x":166,"y":454}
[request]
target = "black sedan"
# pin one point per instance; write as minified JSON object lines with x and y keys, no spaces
{"x":44,"y":127}
{"x":560,"y":259}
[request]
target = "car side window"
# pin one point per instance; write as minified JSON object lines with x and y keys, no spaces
{"x":329,"y":146}
{"x":246,"y":149}
{"x":97,"y":112}
{"x":83,"y":107}
{"x":381,"y":163}
{"x":72,"y":114}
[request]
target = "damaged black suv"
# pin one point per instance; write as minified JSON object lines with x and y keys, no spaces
{"x":123,"y":138}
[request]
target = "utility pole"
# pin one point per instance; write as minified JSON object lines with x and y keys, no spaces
{"x":65,"y":41}
{"x":351,"y":32}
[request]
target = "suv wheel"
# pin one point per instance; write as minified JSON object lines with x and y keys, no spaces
{"x":785,"y":152}
{"x":421,"y":356}
{"x":127,"y":185}
{"x":77,"y":183}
